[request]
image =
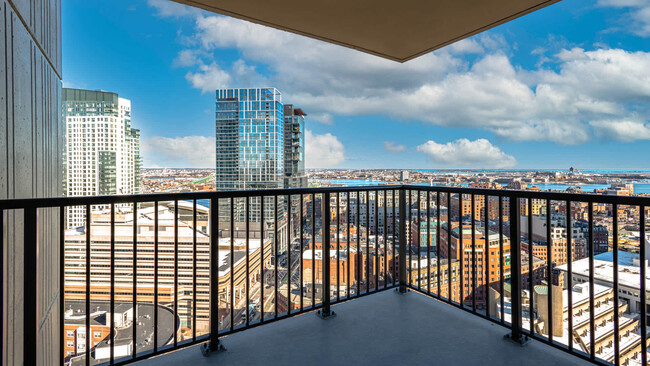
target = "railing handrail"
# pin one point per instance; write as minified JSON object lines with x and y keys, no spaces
{"x":19,"y":203}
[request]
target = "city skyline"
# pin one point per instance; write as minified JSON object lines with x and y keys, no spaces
{"x":535,"y":60}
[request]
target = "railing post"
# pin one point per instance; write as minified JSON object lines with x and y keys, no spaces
{"x":515,"y":272}
{"x":325,"y":217}
{"x":213,"y":345}
{"x":402,"y":241}
{"x":30,"y":278}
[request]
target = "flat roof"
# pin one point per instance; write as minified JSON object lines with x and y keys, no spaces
{"x":628,"y":275}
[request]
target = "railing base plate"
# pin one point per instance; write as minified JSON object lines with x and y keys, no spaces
{"x":402,"y":291}
{"x":522,"y":341}
{"x":206,"y":351}
{"x":322,"y":315}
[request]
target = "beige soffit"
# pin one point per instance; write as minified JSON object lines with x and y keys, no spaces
{"x":398,"y":30}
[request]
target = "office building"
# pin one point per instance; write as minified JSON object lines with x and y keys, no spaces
{"x":101,"y":151}
{"x":294,"y":147}
{"x":249,"y":139}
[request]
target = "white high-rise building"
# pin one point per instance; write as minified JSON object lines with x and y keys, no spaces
{"x":102,"y":151}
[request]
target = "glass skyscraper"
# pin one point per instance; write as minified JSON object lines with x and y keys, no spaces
{"x":294,"y":147}
{"x":249,"y":139}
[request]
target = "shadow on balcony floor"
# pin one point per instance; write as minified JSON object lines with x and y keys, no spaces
{"x":381,"y":329}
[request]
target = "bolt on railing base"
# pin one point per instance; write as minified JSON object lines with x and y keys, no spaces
{"x":207,"y":349}
{"x":522,"y":340}
{"x":323,"y":315}
{"x":402,"y":290}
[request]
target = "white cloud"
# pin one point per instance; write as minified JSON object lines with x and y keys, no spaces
{"x":393,"y":147}
{"x":209,"y":78}
{"x":323,"y":151}
{"x":464,"y":153}
{"x":442,"y":88}
{"x":625,"y":131}
{"x":637,"y":20}
{"x":168,"y":8}
{"x":179,"y":152}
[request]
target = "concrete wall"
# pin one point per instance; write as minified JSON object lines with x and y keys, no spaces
{"x":30,"y":162}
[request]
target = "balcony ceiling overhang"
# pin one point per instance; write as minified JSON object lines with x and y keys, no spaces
{"x":396,"y":30}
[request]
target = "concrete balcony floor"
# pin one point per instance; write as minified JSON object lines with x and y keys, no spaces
{"x":381,"y":329}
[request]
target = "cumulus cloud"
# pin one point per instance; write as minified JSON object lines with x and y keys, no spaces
{"x":562,"y":104}
{"x":393,"y":147}
{"x":638,"y":17}
{"x":323,"y":151}
{"x":464,"y":153}
{"x":167,"y":8}
{"x":179,"y":152}
{"x":625,"y":131}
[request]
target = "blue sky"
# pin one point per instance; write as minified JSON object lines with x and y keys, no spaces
{"x":568,"y":85}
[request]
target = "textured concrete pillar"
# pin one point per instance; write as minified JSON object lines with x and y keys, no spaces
{"x":30,"y":163}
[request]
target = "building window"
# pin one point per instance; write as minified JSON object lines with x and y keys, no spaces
{"x":70,"y":333}
{"x":70,"y":343}
{"x":97,"y":334}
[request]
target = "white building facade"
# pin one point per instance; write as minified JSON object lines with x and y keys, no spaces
{"x":102,"y":150}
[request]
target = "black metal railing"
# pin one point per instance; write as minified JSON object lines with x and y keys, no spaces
{"x":146,"y":274}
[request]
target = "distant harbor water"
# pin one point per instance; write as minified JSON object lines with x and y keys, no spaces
{"x":639,"y":187}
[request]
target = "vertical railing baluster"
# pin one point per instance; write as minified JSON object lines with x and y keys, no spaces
{"x":438,"y":234}
{"x":30,"y":282}
{"x":461,"y":250}
{"x":531,"y":267}
{"x":62,"y":352}
{"x":569,"y":255}
{"x":402,"y":241}
{"x":288,"y":242}
{"x":313,"y":250}
{"x":418,"y":221}
{"x":112,"y":300}
{"x":487,"y":255}
{"x":515,"y":270}
{"x":549,"y":255}
{"x":592,"y":337}
{"x":409,"y":243}
{"x":88,"y":333}
{"x":474,"y":265}
{"x":276,"y":254}
{"x":428,"y":223}
{"x":617,"y":350}
{"x":501,"y":260}
{"x":262,"y":273}
{"x":232,"y":264}
{"x":325,"y":312}
{"x":135,"y":279}
{"x":302,"y":249}
{"x":247,"y":276}
{"x":376,"y":258}
{"x":155,"y":278}
{"x":449,"y":259}
{"x":176,"y":311}
{"x":214,"y":345}
{"x":642,"y":293}
{"x":195,"y":307}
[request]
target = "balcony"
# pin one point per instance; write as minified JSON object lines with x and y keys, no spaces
{"x":414,"y":274}
{"x":383,"y":329}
